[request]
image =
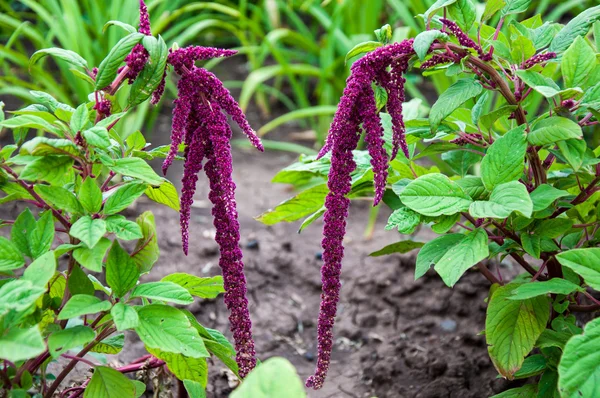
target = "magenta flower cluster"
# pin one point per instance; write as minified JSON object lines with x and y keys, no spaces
{"x":464,"y":39}
{"x":356,"y":106}
{"x":537,"y":59}
{"x":200,"y":123}
{"x":138,"y":57}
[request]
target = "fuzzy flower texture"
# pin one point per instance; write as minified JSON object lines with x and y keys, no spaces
{"x":200,"y":122}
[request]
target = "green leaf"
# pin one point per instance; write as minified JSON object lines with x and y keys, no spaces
{"x":109,"y":383}
{"x":404,"y":246}
{"x":585,"y":263}
{"x":460,"y":161}
{"x":19,"y":295}
{"x":532,"y":366}
{"x":110,"y":345}
{"x":80,"y":119}
{"x":505,"y":159}
{"x":579,"y":367}
{"x":168,"y":329}
{"x":577,"y":63}
{"x":89,"y":230}
{"x":451,"y":99}
{"x":146,"y":250}
{"x":362,"y":48}
{"x":463,"y":255}
{"x":531,"y":244}
{"x":435,"y":195}
{"x":92,"y":258}
{"x":59,"y":198}
{"x":107,"y":71}
{"x":79,"y":283}
{"x":52,"y":169}
{"x":152,"y":74}
{"x":41,"y":146}
{"x":10,"y":256}
{"x":491,"y":8}
{"x":165,"y":194}
{"x":90,"y":196}
{"x":515,"y":7}
{"x":574,"y":151}
{"x":544,"y":195}
{"x":68,"y":56}
{"x":526,"y":391}
{"x":124,"y":316}
{"x":136,"y":141}
{"x":123,"y":228}
{"x":553,"y":228}
{"x":404,"y":219}
{"x":425,"y":39}
{"x":578,"y":26}
{"x":435,"y":7}
{"x":163,"y":291}
{"x":41,"y":270}
{"x":301,"y":205}
{"x":125,"y":26}
{"x":21,"y":344}
{"x":183,"y":367}
{"x":473,"y":186}
{"x":194,"y":389}
{"x":433,"y":251}
{"x":512,"y":328}
{"x":275,"y":377}
{"x":136,"y":168}
{"x":97,"y":136}
{"x":42,"y":235}
{"x":535,"y":289}
{"x":464,"y":13}
{"x":121,"y":272}
{"x":64,"y":340}
{"x":197,"y":286}
{"x":505,"y":198}
{"x":30,"y":122}
{"x":82,"y":304}
{"x":540,"y":83}
{"x":552,"y":338}
{"x":123,"y":196}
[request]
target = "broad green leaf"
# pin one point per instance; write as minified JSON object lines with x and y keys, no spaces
{"x":540,"y":83}
{"x":577,"y":63}
{"x":64,"y":340}
{"x":52,"y":169}
{"x":152,"y":74}
{"x":362,"y":48}
{"x":275,"y":377}
{"x":163,"y":291}
{"x":123,"y":228}
{"x":461,"y":161}
{"x":107,"y":71}
{"x":552,"y":338}
{"x":21,"y":230}
{"x":425,"y":39}
{"x":505,"y":159}
{"x":97,"y":136}
{"x":505,"y":198}
{"x":301,"y":205}
{"x":404,"y":246}
{"x":82,"y":304}
{"x":21,"y":344}
{"x":462,"y":256}
{"x":544,"y":195}
{"x":41,"y":270}
{"x":553,"y":228}
{"x":109,"y":383}
{"x":531,"y":244}
{"x":532,"y":366}
{"x":515,"y":7}
{"x":512,"y":328}
{"x":80,"y":119}
{"x":19,"y":295}
{"x":123,"y":196}
{"x":68,"y":56}
{"x":136,"y":168}
{"x":194,"y":389}
{"x":110,"y":345}
{"x":146,"y":250}
{"x":41,"y":237}
{"x":165,"y":194}
{"x":79,"y":283}
{"x":433,"y":251}
{"x":136,"y":141}
{"x":197,"y":286}
{"x":435,"y":7}
{"x":59,"y":197}
{"x":473,"y":186}
{"x":92,"y":258}
{"x":128,"y":28}
{"x":403,"y":219}
{"x":124,"y":316}
{"x":579,"y":367}
{"x":535,"y":289}
{"x":548,"y":385}
{"x":121,"y":272}
{"x":574,"y":151}
{"x":90,"y":195}
{"x":464,"y":13}
{"x":578,"y":26}
{"x":89,"y":230}
{"x":526,"y":391}
{"x":451,"y":99}
{"x":435,"y":195}
{"x":10,"y":256}
{"x":585,"y":262}
{"x":31,"y":122}
{"x":41,"y":146}
{"x":183,"y":367}
{"x":168,"y":329}
{"x":491,"y":8}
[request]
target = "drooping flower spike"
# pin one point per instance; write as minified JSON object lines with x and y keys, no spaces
{"x":138,"y":57}
{"x":538,"y":59}
{"x":200,"y":123}
{"x":464,"y":38}
{"x":356,"y":106}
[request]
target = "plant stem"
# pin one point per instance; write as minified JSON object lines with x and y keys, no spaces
{"x":488,"y":275}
